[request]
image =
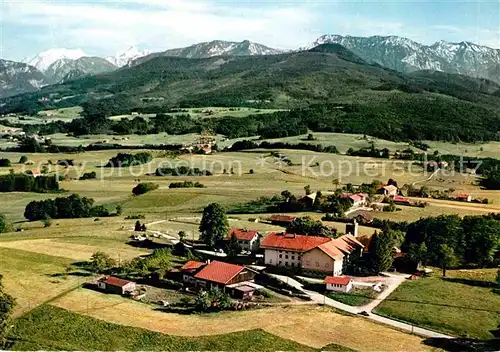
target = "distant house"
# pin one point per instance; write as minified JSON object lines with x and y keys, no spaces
{"x":401,"y":200}
{"x":35,"y":173}
{"x":317,"y":254}
{"x":189,"y":270}
{"x":309,"y":199}
{"x":358,"y":199}
{"x":220,"y":274}
{"x":115,"y":285}
{"x":282,"y":220}
{"x":363,"y":217}
{"x":249,"y":240}
{"x":389,"y":191}
{"x":338,"y":283}
{"x":464,"y":198}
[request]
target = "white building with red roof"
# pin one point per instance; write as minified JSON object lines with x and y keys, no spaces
{"x":249,"y":240}
{"x":116,"y":285}
{"x":312,"y":253}
{"x":338,"y":283}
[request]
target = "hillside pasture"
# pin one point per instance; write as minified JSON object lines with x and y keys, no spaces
{"x":309,"y":325}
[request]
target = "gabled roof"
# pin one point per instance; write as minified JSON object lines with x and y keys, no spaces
{"x":401,"y":199}
{"x":219,"y":272}
{"x":242,"y":234}
{"x":348,"y":244}
{"x":114,"y":281}
{"x":192,"y":265}
{"x":390,"y":188}
{"x":337,"y":280}
{"x":330,"y":249}
{"x":300,"y":243}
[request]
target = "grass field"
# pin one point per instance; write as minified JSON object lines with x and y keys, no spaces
{"x":357,"y":297}
{"x":309,"y":325}
{"x":460,"y":306}
{"x":51,"y":328}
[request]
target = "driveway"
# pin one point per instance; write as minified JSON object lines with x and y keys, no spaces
{"x":392,"y":282}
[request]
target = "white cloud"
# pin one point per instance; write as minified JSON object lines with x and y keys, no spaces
{"x":106,"y":27}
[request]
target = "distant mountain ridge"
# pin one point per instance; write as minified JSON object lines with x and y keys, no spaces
{"x":65,"y":69}
{"x":214,"y":48}
{"x":17,"y":78}
{"x":405,"y":55}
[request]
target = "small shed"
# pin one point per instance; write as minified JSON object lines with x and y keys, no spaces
{"x":338,"y":283}
{"x":116,"y":285}
{"x":243,"y":291}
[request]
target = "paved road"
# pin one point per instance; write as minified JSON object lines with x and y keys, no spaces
{"x":393,"y":282}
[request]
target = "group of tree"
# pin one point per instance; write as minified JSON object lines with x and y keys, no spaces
{"x":143,"y":188}
{"x":125,"y":159}
{"x":212,"y":300}
{"x":139,"y":227}
{"x":28,"y":183}
{"x":5,"y":162}
{"x":381,"y":252}
{"x":370,"y":152}
{"x":70,"y":207}
{"x":181,"y":171}
{"x":309,"y":227}
{"x":248,"y":144}
{"x":449,"y":241}
{"x":186,"y":184}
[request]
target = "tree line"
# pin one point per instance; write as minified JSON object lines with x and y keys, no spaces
{"x":126,"y":159}
{"x":247,"y":144}
{"x":28,"y":183}
{"x":71,"y":207}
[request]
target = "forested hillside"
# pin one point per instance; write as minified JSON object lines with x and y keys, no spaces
{"x":328,"y":89}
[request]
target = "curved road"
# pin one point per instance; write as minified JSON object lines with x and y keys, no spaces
{"x":393,"y":283}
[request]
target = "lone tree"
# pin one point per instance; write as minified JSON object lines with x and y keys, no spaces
{"x":214,"y":224}
{"x":182,"y":236}
{"x":3,"y":224}
{"x":137,"y":226}
{"x":23,"y":159}
{"x":7,"y":303}
{"x":447,"y":257}
{"x":381,"y":250}
{"x":233,"y":247}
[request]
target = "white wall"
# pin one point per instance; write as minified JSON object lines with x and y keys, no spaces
{"x":282,"y":258}
{"x":339,"y":288}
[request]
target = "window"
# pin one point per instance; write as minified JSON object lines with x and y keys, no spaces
{"x":293,"y":265}
{"x":293,"y":257}
{"x":281,"y":255}
{"x":286,"y":256}
{"x":270,"y":261}
{"x":317,"y":264}
{"x":286,"y":263}
{"x":280,"y":262}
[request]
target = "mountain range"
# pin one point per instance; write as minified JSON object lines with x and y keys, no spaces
{"x":396,"y":53}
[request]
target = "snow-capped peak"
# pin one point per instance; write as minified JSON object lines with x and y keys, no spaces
{"x":123,"y":58}
{"x":43,"y":60}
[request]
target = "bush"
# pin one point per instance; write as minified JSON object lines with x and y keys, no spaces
{"x":186,"y":184}
{"x":23,"y":159}
{"x":143,"y":188}
{"x":88,"y":176}
{"x":5,"y":163}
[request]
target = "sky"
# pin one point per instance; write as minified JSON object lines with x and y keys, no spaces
{"x":104,"y":27}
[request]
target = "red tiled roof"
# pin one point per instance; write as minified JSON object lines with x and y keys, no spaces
{"x":241,"y":234}
{"x":330,"y":249}
{"x":298,"y":243}
{"x":192,"y":265}
{"x":463,"y":195}
{"x":401,"y":199}
{"x":219,"y":272}
{"x":114,"y":281}
{"x":283,"y":218}
{"x":337,"y":280}
{"x":347,"y":243}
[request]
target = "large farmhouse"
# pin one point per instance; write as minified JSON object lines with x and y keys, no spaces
{"x":311,"y":253}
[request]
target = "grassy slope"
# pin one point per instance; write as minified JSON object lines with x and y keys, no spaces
{"x":464,"y":309}
{"x":52,"y":328}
